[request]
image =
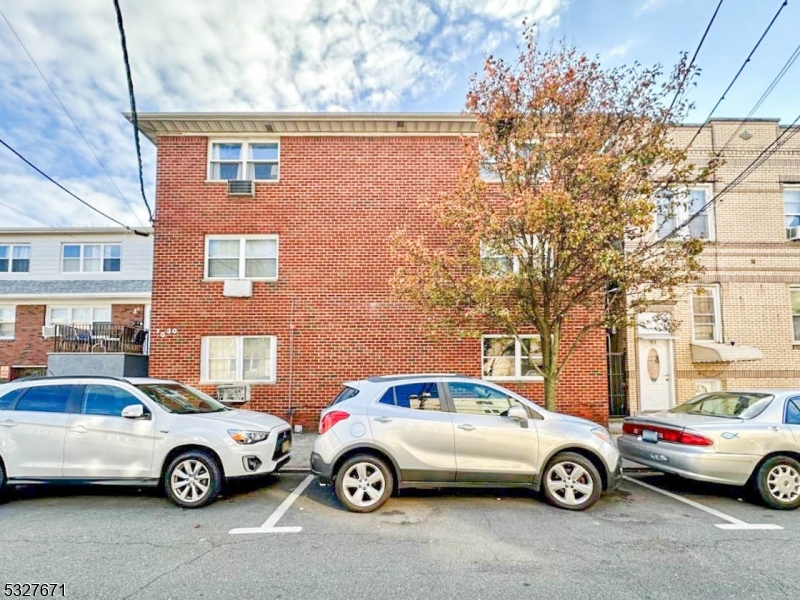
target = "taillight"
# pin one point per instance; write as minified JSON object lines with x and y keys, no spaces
{"x":674,"y":436}
{"x":331,"y":419}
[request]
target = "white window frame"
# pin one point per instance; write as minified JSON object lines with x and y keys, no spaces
{"x":243,"y":161}
{"x":517,"y":359}
{"x":12,"y":321}
{"x":793,"y":289}
{"x":242,"y":250}
{"x":82,"y":258}
{"x":273,"y":354}
{"x":11,"y":247}
{"x":682,"y":215}
{"x":788,"y":188}
{"x":714,"y":291}
{"x":72,"y":308}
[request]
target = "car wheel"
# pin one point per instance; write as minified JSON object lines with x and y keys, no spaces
{"x":2,"y":481}
{"x":571,"y":482}
{"x":364,"y":483}
{"x":778,"y":483}
{"x":193,"y":479}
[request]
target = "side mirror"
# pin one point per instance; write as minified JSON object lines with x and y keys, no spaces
{"x":518,"y":413}
{"x":134,"y":411}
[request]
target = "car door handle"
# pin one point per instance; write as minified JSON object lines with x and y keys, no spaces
{"x":78,"y":429}
{"x":8,"y":423}
{"x":773,"y":428}
{"x":383,"y":419}
{"x":467,"y":427}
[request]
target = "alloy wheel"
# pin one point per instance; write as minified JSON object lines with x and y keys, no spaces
{"x":783,"y":483}
{"x":570,"y":483}
{"x":190,"y":480}
{"x":364,"y":484}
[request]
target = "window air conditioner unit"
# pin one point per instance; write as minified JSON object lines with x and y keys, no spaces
{"x":237,"y":288}
{"x":233,"y":394}
{"x":48,"y":331}
{"x":240,"y":187}
{"x":793,"y":233}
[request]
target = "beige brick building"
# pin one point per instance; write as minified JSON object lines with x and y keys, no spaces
{"x":740,"y":326}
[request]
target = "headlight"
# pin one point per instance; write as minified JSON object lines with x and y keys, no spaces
{"x":248,"y":437}
{"x":603,"y":435}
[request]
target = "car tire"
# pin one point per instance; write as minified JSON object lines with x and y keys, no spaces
{"x":2,"y":482}
{"x":193,"y":479}
{"x":571,"y":482}
{"x":778,"y":482}
{"x":364,"y":483}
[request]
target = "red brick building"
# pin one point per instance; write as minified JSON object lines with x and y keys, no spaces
{"x":279,"y":279}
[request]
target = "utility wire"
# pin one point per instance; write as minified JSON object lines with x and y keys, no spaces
{"x":785,"y":69}
{"x":739,"y":72}
{"x":132,"y":97}
{"x":694,"y":58}
{"x":78,"y":198}
{"x":64,"y":108}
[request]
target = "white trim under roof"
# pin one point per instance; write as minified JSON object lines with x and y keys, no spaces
{"x":70,"y":230}
{"x":305,"y":124}
{"x":134,"y":297}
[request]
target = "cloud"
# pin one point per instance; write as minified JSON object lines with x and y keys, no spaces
{"x":649,"y":5}
{"x":619,"y":51}
{"x":203,"y":55}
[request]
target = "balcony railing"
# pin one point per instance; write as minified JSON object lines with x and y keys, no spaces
{"x":100,"y":337}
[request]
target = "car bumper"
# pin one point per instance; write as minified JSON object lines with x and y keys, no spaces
{"x":693,"y":463}
{"x":258,"y":459}
{"x":320,"y":468}
{"x":615,"y":476}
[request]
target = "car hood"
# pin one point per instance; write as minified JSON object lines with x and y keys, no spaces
{"x":680,"y":420}
{"x":239,"y":419}
{"x":576,"y":420}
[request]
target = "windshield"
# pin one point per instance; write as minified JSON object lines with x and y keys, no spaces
{"x":181,"y":399}
{"x":731,"y":405}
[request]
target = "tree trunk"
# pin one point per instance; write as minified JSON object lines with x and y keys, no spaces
{"x":550,"y":382}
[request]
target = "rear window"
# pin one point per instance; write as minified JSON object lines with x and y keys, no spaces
{"x":345,"y":394}
{"x":8,"y":398}
{"x":730,"y":405}
{"x":46,"y":398}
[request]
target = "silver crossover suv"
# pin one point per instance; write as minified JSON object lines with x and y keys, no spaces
{"x":413,"y":431}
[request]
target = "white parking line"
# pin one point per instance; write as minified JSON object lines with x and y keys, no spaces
{"x":732,"y":522}
{"x":269,"y":524}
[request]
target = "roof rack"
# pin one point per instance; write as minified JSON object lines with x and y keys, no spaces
{"x":51,"y":377}
{"x":398,"y":376}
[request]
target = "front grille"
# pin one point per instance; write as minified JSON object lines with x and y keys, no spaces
{"x":284,"y":435}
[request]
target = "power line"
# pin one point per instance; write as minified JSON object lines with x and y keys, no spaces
{"x":739,"y":72}
{"x":132,"y":97}
{"x":785,"y":69}
{"x":694,"y":57}
{"x":78,"y":198}
{"x":64,"y":108}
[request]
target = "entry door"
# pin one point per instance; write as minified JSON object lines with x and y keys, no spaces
{"x":655,"y":374}
{"x":102,"y":444}
{"x":410,"y":421}
{"x":490,"y":447}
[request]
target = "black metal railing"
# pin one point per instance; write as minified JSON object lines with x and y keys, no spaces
{"x":100,"y":337}
{"x":617,"y":393}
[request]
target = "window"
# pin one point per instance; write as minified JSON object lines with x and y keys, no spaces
{"x":705,"y":314}
{"x":91,"y":258}
{"x":792,"y":411}
{"x":15,"y":258}
{"x":79,"y":315}
{"x":256,"y":161}
{"x":345,"y":394}
{"x":477,"y":399}
{"x":506,"y":358}
{"x":7,"y":318}
{"x":674,"y":209}
{"x":106,"y":400}
{"x":181,"y":399}
{"x":734,"y":405}
{"x":253,"y":257}
{"x":795,"y":295}
{"x":416,"y":396}
{"x":791,"y":205}
{"x":7,"y":399}
{"x":497,"y":262}
{"x":46,"y":398}
{"x":239,"y":359}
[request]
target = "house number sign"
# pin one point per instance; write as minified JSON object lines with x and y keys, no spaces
{"x":168,"y":331}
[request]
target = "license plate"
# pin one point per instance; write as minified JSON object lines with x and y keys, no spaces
{"x":286,"y":446}
{"x":650,"y":436}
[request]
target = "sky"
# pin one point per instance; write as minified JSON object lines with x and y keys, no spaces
{"x":316,"y":55}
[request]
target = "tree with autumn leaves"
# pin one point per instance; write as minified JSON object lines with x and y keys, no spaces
{"x":551,"y":226}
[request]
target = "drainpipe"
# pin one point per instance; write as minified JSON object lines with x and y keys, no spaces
{"x":290,"y":410}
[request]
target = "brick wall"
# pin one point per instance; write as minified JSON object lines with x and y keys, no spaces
{"x":127,"y":314}
{"x":338,"y":201}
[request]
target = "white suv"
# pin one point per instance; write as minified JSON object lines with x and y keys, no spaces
{"x":412,"y":431}
{"x":135,"y":431}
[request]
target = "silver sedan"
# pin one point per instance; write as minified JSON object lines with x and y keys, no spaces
{"x":745,"y":437}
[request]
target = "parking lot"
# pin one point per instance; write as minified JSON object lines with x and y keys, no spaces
{"x":635,"y":543}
